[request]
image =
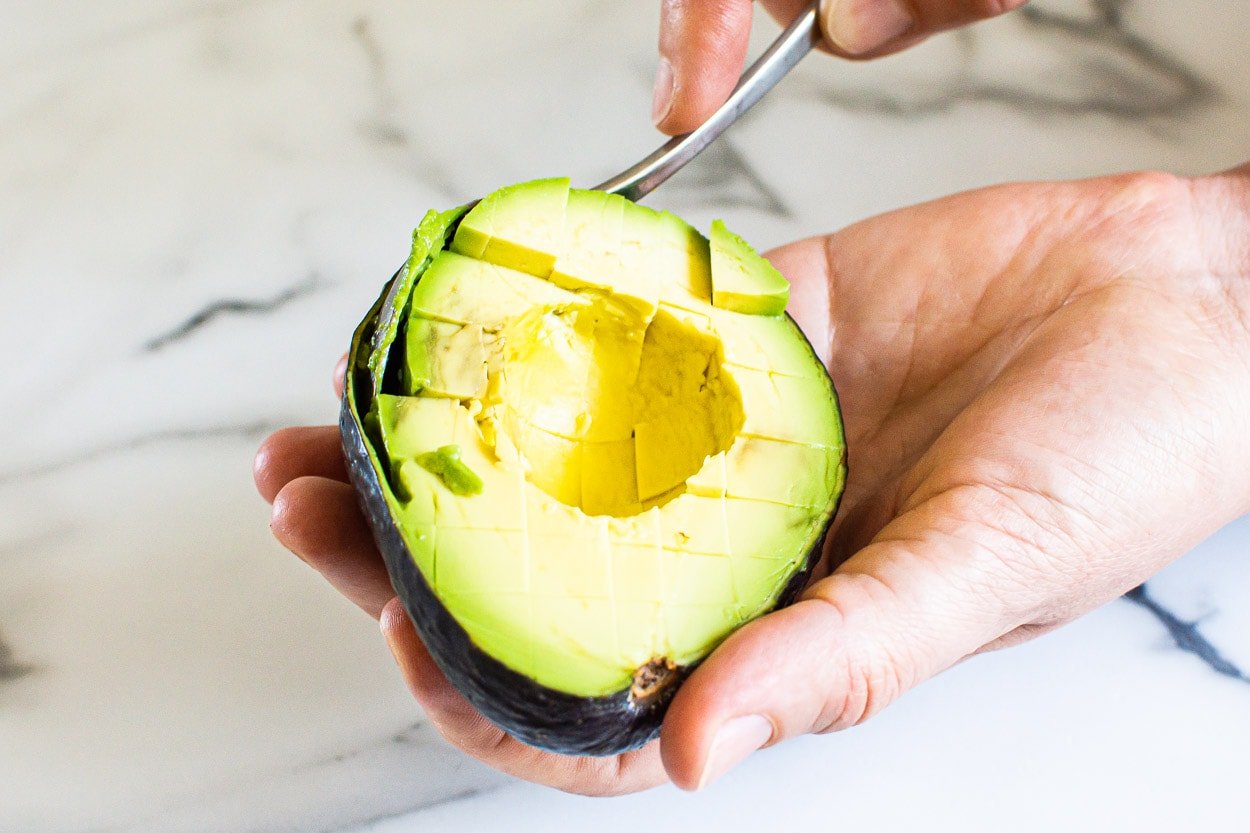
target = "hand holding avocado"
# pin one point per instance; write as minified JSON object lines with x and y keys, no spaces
{"x":1046,"y":390}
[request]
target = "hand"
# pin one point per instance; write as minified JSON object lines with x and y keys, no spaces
{"x":1047,"y":398}
{"x":703,"y":43}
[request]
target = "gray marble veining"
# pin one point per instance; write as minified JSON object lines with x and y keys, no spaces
{"x":723,"y":176}
{"x":250,"y":431}
{"x":231,"y":306}
{"x":10,"y":667}
{"x":1186,"y":634}
{"x":1096,"y":65}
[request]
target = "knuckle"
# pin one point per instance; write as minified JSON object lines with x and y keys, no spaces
{"x":865,"y":682}
{"x":863,"y":675}
{"x":1024,"y":533}
{"x":1143,"y":194}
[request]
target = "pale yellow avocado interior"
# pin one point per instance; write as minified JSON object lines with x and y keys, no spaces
{"x":653,"y":470}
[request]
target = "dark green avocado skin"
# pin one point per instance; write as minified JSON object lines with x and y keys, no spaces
{"x":537,"y":715}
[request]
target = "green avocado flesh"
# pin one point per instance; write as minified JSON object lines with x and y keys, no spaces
{"x":744,"y":281}
{"x":606,"y":447}
{"x":445,"y":464}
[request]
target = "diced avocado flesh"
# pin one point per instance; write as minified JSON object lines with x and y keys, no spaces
{"x":590,"y":253}
{"x":592,"y":475}
{"x":460,"y":290}
{"x":445,"y":359}
{"x":521,"y":226}
{"x":743,"y":281}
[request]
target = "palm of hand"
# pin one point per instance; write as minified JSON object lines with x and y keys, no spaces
{"x":1036,"y":386}
{"x":992,"y":349}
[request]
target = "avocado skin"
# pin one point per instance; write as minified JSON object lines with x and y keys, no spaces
{"x":532,"y":713}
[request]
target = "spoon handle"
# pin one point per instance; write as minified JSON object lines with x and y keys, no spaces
{"x":781,"y":57}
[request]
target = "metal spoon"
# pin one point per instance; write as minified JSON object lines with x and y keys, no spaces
{"x":776,"y":62}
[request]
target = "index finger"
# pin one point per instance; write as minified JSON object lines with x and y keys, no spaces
{"x":703,"y":44}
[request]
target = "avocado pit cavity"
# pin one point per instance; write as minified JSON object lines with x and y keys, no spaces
{"x":612,"y":414}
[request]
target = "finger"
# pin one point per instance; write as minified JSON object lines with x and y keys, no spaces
{"x":298,"y":452}
{"x":866,"y":28}
{"x":466,"y":728}
{"x":703,"y":45}
{"x":904,"y":608}
{"x":320,"y":521}
{"x":340,"y":376}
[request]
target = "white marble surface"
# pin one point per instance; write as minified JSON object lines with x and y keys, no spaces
{"x":199,"y":198}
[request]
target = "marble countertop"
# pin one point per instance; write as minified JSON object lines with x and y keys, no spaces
{"x":199,"y":198}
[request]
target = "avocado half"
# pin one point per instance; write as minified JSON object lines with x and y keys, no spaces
{"x":590,"y":445}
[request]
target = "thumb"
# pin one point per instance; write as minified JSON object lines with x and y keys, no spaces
{"x":703,"y":46}
{"x":897,"y":613}
{"x":867,"y":28}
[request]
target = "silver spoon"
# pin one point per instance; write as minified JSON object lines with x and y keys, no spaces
{"x":776,"y":62}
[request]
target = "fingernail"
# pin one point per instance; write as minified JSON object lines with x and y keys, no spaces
{"x":662,"y":97}
{"x":734,"y":741}
{"x":859,"y":26}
